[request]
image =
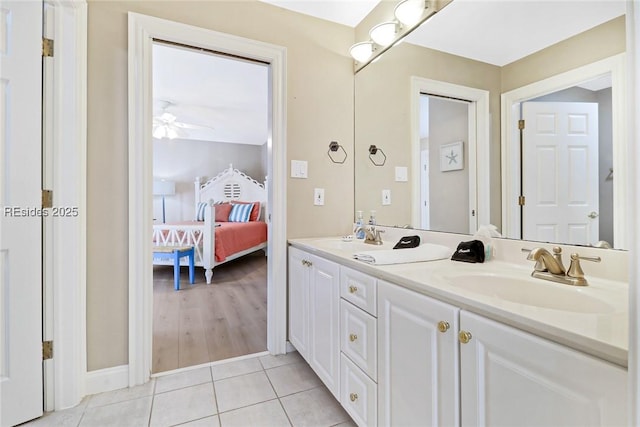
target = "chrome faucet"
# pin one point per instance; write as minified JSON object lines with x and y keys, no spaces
{"x":550,"y":267}
{"x":371,"y":234}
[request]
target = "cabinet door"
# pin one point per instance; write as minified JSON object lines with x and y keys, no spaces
{"x":324,"y":322}
{"x":299,"y":301}
{"x":417,"y":364}
{"x":510,"y":377}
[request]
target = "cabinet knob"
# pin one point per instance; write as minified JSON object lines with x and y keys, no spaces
{"x":353,"y":397}
{"x":443,"y":326}
{"x":353,"y":337}
{"x":353,"y":289}
{"x":307,"y":263}
{"x":464,"y":337}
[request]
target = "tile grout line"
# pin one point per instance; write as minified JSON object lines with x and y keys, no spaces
{"x":215,"y":396}
{"x":286,"y":414}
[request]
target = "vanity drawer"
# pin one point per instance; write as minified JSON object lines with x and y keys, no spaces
{"x":358,"y":337}
{"x":358,"y":394}
{"x":358,"y":288}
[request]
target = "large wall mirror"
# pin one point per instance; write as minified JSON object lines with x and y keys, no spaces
{"x":449,"y":127}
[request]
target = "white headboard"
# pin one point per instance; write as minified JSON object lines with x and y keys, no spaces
{"x":230,"y":185}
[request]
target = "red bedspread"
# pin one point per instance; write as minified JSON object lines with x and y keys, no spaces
{"x":232,"y":237}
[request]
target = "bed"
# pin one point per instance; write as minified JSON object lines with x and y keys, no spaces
{"x":228,"y":238}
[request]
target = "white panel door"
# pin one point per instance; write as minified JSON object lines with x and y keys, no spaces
{"x":20,"y":223}
{"x":512,"y":378}
{"x":324,"y":322}
{"x":418,"y":379}
{"x":560,"y":172}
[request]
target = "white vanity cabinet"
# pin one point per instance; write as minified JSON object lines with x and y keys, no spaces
{"x":510,"y":377}
{"x":314,"y":314}
{"x":417,"y":359}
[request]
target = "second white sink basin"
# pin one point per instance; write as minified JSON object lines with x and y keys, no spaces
{"x":530,"y":291}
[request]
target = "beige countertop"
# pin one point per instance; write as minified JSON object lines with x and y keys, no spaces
{"x":592,"y":319}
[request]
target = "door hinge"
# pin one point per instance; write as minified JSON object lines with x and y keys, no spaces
{"x":520,"y":124}
{"x":521,"y":200}
{"x":47,"y":199}
{"x":47,"y":350}
{"x":47,"y":47}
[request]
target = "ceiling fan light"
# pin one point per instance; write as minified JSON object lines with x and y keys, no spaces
{"x":160,"y":132}
{"x":409,"y":12}
{"x":361,"y":51}
{"x":383,"y":34}
{"x":172,"y":133}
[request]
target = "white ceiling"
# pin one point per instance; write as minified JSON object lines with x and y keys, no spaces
{"x":230,"y":95}
{"x":227,"y":95}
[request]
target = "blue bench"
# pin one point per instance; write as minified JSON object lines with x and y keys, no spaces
{"x":175,"y":253}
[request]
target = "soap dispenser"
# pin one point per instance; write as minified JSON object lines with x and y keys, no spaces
{"x":359,"y":225}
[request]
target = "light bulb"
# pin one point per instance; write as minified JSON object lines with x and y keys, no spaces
{"x":383,"y":34}
{"x":361,"y":51}
{"x":409,"y":12}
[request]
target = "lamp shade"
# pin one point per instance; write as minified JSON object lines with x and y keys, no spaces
{"x":162,"y":187}
{"x":361,"y":51}
{"x":409,"y":12}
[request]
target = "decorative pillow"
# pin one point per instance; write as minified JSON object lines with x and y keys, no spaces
{"x":222,"y":212}
{"x":240,"y":212}
{"x":200,"y":211}
{"x":255,"y":212}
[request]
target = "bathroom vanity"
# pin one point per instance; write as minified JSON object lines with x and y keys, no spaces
{"x":444,"y":343}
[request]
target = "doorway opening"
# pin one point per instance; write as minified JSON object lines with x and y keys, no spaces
{"x":444,"y":165}
{"x":210,"y":132}
{"x":143,"y":30}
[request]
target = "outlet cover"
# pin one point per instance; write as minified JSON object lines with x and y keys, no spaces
{"x":386,"y":197}
{"x":318,"y":196}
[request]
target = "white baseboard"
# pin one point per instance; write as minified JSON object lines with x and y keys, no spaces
{"x":107,"y":379}
{"x":290,"y":347}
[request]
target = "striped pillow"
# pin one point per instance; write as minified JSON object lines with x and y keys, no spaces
{"x":200,"y":211}
{"x":240,"y":213}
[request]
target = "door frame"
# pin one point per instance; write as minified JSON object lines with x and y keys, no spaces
{"x":142,"y":30}
{"x":64,"y":255}
{"x":510,"y":151}
{"x":479,"y":144}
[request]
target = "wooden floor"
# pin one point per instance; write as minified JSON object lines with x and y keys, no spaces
{"x":203,"y":323}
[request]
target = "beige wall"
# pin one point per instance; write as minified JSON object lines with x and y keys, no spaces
{"x":590,"y":46}
{"x":319,"y":109}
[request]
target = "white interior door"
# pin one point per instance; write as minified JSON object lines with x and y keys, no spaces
{"x":560,"y":172}
{"x":20,"y":221}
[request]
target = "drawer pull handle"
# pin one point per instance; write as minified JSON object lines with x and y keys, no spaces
{"x":443,"y":326}
{"x":353,"y":337}
{"x":353,"y":289}
{"x":464,"y":337}
{"x":353,"y":397}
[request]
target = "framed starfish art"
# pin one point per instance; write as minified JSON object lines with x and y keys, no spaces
{"x":451,"y":157}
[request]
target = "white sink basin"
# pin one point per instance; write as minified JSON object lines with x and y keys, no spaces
{"x":530,"y":291}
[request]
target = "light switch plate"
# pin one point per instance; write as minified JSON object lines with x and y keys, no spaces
{"x":318,"y":196}
{"x":386,"y":197}
{"x":298,"y":169}
{"x":402,"y":174}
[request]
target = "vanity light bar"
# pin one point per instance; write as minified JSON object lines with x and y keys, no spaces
{"x":409,"y":15}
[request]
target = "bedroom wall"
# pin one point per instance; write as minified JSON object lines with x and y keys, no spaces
{"x":182,"y":160}
{"x":319,"y":110}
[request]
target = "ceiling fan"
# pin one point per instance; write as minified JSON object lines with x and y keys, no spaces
{"x":166,"y":124}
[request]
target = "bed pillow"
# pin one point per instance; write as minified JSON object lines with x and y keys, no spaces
{"x":240,"y":212}
{"x":255,"y":212}
{"x":222,"y":212}
{"x":200,"y":211}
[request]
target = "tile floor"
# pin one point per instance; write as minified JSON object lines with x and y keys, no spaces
{"x":259,"y":391}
